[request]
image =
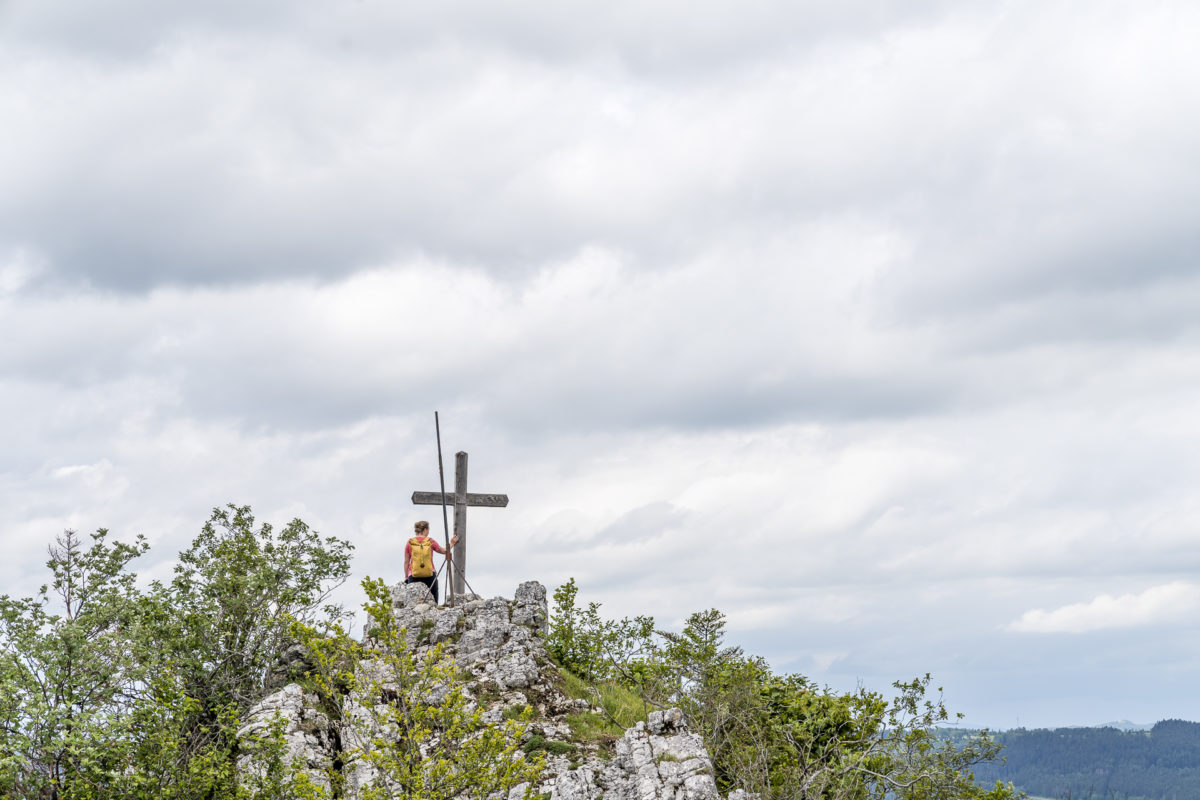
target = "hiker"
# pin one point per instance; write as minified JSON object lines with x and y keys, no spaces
{"x":418,"y":558}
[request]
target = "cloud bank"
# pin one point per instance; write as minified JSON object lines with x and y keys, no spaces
{"x":1157,"y":605}
{"x":872,"y":326}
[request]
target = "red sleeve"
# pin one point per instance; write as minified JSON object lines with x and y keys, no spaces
{"x":408,"y":550}
{"x":437,"y":547}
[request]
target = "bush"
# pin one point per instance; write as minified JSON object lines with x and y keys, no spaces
{"x":779,"y":736}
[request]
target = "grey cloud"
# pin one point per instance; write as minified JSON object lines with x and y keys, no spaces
{"x":435,"y":150}
{"x":618,"y":357}
{"x":193,"y":195}
{"x":1062,"y":283}
{"x":130,"y":29}
{"x":668,"y":37}
{"x":621,"y":358}
{"x":600,"y":401}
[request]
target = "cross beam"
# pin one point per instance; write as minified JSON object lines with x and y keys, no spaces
{"x":435,"y":499}
{"x":461,"y":499}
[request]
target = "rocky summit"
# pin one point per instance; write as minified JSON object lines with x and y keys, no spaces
{"x":497,"y":645}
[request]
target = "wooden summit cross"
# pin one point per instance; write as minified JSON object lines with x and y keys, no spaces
{"x":460,"y":499}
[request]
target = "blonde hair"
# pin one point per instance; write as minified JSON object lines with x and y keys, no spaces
{"x":421,"y":526}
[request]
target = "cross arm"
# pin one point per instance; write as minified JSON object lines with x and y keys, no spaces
{"x":472,"y":499}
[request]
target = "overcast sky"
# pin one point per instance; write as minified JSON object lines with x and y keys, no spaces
{"x":875,"y":325}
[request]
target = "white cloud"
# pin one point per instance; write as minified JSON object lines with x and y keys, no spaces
{"x":18,"y":268}
{"x":1157,"y":605}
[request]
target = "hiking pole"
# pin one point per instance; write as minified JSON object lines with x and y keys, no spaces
{"x":437,"y":426}
{"x":463,"y":575}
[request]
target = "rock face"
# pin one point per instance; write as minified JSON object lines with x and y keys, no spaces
{"x":658,"y":759}
{"x":308,"y":733}
{"x":499,"y":643}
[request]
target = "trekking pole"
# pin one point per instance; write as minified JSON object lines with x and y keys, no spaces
{"x":437,"y":426}
{"x":469,"y":586}
{"x":462,"y":575}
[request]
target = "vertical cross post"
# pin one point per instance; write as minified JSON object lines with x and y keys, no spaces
{"x":460,"y":522}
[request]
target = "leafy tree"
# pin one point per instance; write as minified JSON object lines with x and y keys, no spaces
{"x":603,"y":652}
{"x":107,"y":691}
{"x":70,"y":662}
{"x":777,"y":735}
{"x":235,"y":593}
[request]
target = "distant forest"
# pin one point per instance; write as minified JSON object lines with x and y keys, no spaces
{"x":1099,"y":763}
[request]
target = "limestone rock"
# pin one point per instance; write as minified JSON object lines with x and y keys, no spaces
{"x":529,"y":607}
{"x":499,"y":643}
{"x":742,"y":794}
{"x":309,"y":736}
{"x":659,"y":759}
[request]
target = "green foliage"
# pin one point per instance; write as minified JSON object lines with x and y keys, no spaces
{"x":109,"y":691}
{"x":571,"y":641}
{"x":69,"y":660}
{"x":234,"y":593}
{"x":592,"y":647}
{"x":523,"y":711}
{"x":588,"y":727}
{"x":776,"y":735}
{"x":228,"y":609}
{"x":620,"y":706}
{"x":552,"y":746}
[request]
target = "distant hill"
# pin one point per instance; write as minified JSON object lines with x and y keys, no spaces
{"x":1124,"y":725}
{"x":1162,"y":763}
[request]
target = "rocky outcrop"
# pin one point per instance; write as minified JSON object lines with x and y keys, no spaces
{"x":497,"y":640}
{"x":498,"y":643}
{"x":310,"y":737}
{"x":656,"y":759}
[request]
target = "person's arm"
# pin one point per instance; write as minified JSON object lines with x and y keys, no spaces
{"x":453,"y":541}
{"x":407,"y":560}
{"x":441,"y":549}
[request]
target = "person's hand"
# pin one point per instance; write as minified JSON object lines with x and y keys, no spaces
{"x":454,"y":540}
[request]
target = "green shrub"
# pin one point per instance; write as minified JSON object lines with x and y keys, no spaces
{"x":552,"y":746}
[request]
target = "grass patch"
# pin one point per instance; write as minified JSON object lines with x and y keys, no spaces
{"x":551,"y":746}
{"x":596,"y":727}
{"x":589,"y":727}
{"x":517,"y":712}
{"x":624,"y":705}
